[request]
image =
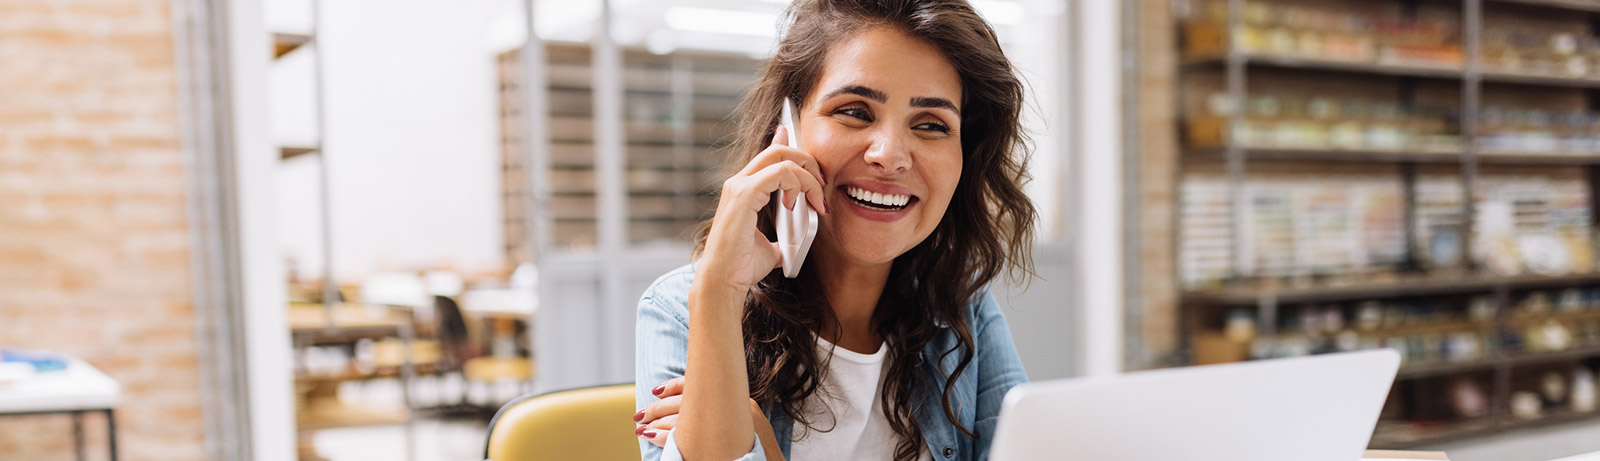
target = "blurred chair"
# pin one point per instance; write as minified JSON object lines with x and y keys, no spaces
{"x":593,"y":423}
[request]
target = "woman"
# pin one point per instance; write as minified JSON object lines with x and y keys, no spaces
{"x":887,"y":344}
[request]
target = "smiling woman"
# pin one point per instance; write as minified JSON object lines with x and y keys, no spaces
{"x":887,"y":345}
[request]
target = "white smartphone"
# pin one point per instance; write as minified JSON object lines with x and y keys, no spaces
{"x":797,"y":227}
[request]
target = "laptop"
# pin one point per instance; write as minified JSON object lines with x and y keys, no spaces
{"x":1318,"y":408}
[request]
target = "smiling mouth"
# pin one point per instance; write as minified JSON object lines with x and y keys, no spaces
{"x":879,"y":201}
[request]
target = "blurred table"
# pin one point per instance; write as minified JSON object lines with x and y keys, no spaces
{"x":504,"y":307}
{"x":78,"y":389}
{"x":308,"y":323}
{"x":319,"y":406}
{"x":518,"y":303}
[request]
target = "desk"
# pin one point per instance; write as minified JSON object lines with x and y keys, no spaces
{"x":78,"y":389}
{"x":504,"y":307}
{"x":503,"y":302}
{"x":308,"y":323}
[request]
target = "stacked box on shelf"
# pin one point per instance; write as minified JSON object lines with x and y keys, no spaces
{"x":1293,"y":226}
{"x":1354,"y":31}
{"x":1317,"y":225}
{"x":677,"y":114}
{"x":1206,"y":210}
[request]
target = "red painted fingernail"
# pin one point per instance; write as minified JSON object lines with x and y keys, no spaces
{"x":649,"y":434}
{"x":658,"y":389}
{"x":638,"y":416}
{"x":638,"y":430}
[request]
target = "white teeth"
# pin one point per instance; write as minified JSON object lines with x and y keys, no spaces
{"x":878,"y":198}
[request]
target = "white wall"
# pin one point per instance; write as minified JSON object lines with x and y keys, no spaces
{"x":271,"y":388}
{"x":413,"y":137}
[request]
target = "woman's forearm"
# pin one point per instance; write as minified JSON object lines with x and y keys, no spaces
{"x":714,"y":422}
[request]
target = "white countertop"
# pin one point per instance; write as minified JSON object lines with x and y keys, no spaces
{"x":79,"y":387}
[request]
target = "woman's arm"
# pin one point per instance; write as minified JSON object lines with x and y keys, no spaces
{"x":712,"y":424}
{"x":662,"y":334}
{"x":713,"y":421}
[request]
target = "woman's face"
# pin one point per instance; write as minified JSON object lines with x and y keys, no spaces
{"x":884,"y":123}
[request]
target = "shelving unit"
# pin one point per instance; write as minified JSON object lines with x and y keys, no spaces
{"x":1405,"y":94}
{"x":676,"y":118}
{"x":329,"y":322}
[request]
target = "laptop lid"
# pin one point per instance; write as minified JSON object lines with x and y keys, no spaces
{"x":1318,"y":408}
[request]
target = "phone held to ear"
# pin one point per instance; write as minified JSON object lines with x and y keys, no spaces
{"x":796,"y":227}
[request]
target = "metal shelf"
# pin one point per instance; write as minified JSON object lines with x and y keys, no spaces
{"x":1238,"y":69}
{"x":1389,"y":436}
{"x":1425,"y":370}
{"x":1403,"y":286}
{"x":1540,"y":80}
{"x":1543,"y":158}
{"x":1575,"y":5}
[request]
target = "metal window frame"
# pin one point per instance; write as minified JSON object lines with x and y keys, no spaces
{"x":203,"y":65}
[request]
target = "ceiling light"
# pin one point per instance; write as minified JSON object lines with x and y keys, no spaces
{"x":1000,"y":12}
{"x":722,"y":21}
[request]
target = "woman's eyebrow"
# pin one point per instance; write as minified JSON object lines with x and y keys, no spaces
{"x":934,"y":103}
{"x":859,"y":90}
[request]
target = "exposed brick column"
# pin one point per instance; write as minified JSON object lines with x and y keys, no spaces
{"x":94,"y":250}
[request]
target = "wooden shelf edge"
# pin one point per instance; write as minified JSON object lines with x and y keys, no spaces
{"x":1470,"y":428}
{"x":1334,"y":153}
{"x":1330,"y":64}
{"x":284,"y":43}
{"x":1536,"y":358}
{"x":289,"y":152}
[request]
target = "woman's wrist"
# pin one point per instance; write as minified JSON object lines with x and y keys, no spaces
{"x":715,"y":279}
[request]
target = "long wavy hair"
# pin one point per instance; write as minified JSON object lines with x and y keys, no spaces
{"x":987,"y":229}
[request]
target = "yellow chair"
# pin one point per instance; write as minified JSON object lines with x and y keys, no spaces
{"x":593,"y":423}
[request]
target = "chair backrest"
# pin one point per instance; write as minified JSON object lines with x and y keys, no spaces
{"x":451,"y":330}
{"x":593,"y":423}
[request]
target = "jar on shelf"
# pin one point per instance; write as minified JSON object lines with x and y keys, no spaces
{"x":1384,"y":130}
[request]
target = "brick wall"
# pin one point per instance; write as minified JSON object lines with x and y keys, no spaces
{"x":93,"y":237}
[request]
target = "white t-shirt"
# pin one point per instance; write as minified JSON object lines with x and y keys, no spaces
{"x":851,"y":390}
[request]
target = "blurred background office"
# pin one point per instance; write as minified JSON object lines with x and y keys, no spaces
{"x":352,"y":229}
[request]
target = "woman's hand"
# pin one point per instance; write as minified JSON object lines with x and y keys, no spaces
{"x":660,"y":417}
{"x":736,"y":252}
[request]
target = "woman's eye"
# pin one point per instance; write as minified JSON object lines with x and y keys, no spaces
{"x":933,"y":126}
{"x":855,"y":112}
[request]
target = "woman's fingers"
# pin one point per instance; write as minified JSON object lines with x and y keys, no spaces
{"x":789,"y":177}
{"x":656,"y":432}
{"x":780,"y":151}
{"x":659,"y":409}
{"x":669,"y":388}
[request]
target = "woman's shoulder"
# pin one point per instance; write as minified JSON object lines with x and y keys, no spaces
{"x":670,"y":292}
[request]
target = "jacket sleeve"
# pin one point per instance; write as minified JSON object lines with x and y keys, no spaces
{"x":661,"y":346}
{"x":999,"y":369}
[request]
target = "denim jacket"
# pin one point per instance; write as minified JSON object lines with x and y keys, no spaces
{"x":662,"y":342}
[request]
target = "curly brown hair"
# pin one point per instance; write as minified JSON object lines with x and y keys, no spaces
{"x":987,"y":229}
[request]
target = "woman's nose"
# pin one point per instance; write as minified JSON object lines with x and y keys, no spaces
{"x":889,"y":152}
